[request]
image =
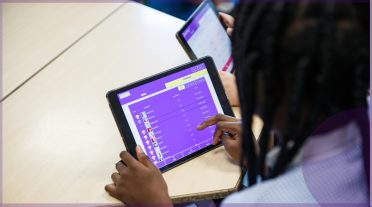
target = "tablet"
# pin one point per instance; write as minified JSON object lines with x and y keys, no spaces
{"x":161,"y":113}
{"x":203,"y":35}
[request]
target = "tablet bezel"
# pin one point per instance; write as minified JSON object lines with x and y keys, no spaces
{"x":179,"y":35}
{"x":122,"y":123}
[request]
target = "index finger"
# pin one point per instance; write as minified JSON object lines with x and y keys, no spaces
{"x":214,"y":119}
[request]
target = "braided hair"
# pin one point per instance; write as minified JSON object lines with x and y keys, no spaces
{"x":311,"y":57}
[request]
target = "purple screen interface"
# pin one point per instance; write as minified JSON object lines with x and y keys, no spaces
{"x":163,"y":114}
{"x":199,"y":38}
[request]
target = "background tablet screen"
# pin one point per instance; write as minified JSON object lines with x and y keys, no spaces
{"x":206,"y":36}
{"x":163,"y":114}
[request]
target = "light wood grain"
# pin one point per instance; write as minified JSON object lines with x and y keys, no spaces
{"x":60,"y":140}
{"x":35,"y":33}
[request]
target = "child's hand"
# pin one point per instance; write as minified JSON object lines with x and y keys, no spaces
{"x":228,"y":21}
{"x":138,"y":181}
{"x":228,"y":131}
{"x":229,"y":84}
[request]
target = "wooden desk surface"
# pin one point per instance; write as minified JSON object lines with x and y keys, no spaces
{"x":60,"y":142}
{"x":35,"y":33}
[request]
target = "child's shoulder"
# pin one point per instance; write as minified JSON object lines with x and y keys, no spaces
{"x":287,"y":188}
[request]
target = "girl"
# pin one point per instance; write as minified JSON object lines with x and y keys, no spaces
{"x":304,"y":68}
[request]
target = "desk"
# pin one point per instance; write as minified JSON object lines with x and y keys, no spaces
{"x":60,"y":139}
{"x":36,"y":33}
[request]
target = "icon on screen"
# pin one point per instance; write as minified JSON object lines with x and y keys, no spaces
{"x":143,"y":114}
{"x":124,"y":95}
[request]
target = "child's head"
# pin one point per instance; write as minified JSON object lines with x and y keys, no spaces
{"x":297,"y":64}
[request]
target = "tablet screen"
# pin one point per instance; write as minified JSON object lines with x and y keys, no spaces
{"x":163,"y":114}
{"x":205,"y":35}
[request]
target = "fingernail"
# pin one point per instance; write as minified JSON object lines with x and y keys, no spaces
{"x":139,"y":149}
{"x":120,"y":163}
{"x":200,"y":125}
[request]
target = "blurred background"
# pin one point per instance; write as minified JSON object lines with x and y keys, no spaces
{"x":184,"y":8}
